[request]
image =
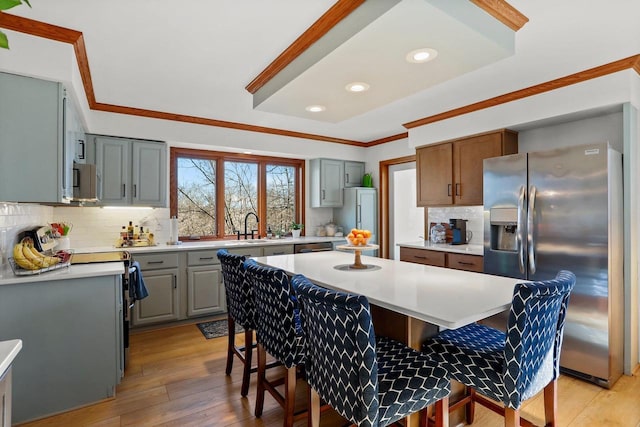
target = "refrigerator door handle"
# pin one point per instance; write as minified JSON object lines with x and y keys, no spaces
{"x":530,"y":240}
{"x":520,"y":224}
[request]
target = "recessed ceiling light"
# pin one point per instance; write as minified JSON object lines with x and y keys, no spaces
{"x":315,"y":108}
{"x":357,"y":87}
{"x":419,"y":56}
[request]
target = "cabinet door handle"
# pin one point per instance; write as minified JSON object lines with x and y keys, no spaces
{"x":81,"y":156}
{"x":124,"y":192}
{"x":205,"y":258}
{"x":323,"y":195}
{"x":155,"y":262}
{"x":175,"y":282}
{"x":458,"y":189}
{"x":448,"y":189}
{"x":346,"y":181}
{"x":135,"y":190}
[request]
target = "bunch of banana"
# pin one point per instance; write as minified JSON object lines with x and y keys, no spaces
{"x":27,"y":257}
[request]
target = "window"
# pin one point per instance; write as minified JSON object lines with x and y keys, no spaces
{"x":212,"y":193}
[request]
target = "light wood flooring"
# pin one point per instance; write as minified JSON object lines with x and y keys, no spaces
{"x":175,"y":377}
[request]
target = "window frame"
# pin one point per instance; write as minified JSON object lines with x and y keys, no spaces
{"x":220,"y":157}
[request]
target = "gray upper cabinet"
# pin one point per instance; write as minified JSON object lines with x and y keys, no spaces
{"x":327,"y":182}
{"x":353,"y":173}
{"x":39,"y":129}
{"x":131,"y":172}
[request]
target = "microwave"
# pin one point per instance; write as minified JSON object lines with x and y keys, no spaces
{"x":85,"y":182}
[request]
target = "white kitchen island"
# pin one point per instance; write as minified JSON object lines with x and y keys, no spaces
{"x":409,"y":302}
{"x":440,"y":296}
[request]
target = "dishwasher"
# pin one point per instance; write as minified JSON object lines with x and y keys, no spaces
{"x":302,"y":248}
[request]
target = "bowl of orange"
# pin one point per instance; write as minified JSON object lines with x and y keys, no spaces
{"x":358,"y":237}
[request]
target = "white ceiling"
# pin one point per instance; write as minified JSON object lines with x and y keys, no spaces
{"x":195,"y":57}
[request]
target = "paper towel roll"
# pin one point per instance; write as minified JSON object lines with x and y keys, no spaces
{"x":173,"y":230}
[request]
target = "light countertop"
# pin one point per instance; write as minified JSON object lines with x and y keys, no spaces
{"x":72,"y":272}
{"x":470,"y":249}
{"x":8,"y":351}
{"x":441,"y":296}
{"x":212,"y":244}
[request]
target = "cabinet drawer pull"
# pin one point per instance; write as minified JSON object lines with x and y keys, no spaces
{"x":278,"y":253}
{"x":155,"y":262}
{"x":202,"y":258}
{"x":420,"y":257}
{"x":466,"y":263}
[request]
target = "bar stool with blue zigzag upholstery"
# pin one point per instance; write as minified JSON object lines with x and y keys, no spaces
{"x":241,"y":311}
{"x":369,"y":380}
{"x":279,"y":333}
{"x":512,"y":367}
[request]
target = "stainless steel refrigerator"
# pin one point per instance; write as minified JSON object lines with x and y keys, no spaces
{"x":562,"y":209}
{"x":359,"y":210}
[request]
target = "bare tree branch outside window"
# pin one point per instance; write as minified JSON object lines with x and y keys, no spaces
{"x":197,"y":195}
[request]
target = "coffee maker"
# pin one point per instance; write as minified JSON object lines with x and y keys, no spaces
{"x":458,"y":231}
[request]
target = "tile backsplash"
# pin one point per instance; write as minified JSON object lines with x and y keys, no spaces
{"x":473,"y":214}
{"x":93,"y":226}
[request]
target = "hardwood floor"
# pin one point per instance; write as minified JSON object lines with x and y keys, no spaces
{"x":175,"y":377}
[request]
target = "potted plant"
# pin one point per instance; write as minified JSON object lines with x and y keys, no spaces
{"x":296,"y":229}
{"x":4,"y":5}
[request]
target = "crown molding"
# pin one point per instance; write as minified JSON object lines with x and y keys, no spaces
{"x":632,"y":62}
{"x":336,"y":13}
{"x":503,"y":12}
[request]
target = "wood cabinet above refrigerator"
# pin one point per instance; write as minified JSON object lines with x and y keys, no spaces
{"x":450,"y":173}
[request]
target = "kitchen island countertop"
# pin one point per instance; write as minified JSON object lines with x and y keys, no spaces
{"x":470,"y":249}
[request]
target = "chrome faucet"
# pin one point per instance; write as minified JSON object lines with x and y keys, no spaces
{"x":245,"y":225}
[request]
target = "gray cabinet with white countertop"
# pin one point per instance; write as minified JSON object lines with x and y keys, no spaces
{"x":205,"y":292}
{"x":70,"y":326}
{"x":160,"y":273}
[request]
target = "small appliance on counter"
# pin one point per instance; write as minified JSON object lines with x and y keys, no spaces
{"x":43,"y":239}
{"x":458,"y":231}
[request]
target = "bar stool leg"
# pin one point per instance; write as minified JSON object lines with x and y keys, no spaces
{"x":262,"y":365}
{"x":248,"y":351}
{"x":511,"y":417}
{"x":230,"y":343}
{"x":551,"y":403}
{"x":289,"y":396}
{"x":313,"y":418}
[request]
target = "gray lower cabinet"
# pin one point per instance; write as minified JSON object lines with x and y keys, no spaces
{"x":5,"y":399}
{"x":130,"y":172}
{"x":71,"y":334}
{"x":160,"y":273}
{"x":205,"y":292}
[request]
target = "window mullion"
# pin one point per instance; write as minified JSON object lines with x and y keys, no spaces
{"x":220,"y":213}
